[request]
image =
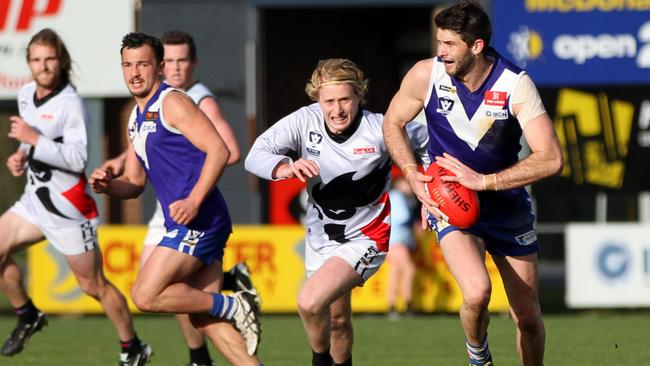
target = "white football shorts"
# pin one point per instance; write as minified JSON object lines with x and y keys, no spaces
{"x":156,"y":227}
{"x":68,"y":240}
{"x":363,"y":256}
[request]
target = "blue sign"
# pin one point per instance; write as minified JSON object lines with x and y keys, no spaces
{"x":575,"y":42}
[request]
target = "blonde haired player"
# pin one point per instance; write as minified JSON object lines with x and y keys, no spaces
{"x":347,"y":169}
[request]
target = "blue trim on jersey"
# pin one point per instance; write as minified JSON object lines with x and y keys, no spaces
{"x":208,"y":246}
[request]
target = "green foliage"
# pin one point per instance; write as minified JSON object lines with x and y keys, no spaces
{"x":600,"y":338}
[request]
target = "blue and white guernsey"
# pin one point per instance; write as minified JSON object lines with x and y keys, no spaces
{"x":479,"y":129}
{"x":173,"y":164}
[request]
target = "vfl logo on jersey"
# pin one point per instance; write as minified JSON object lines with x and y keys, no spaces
{"x":449,"y":89}
{"x":445,"y":105}
{"x":315,"y":137}
{"x":496,"y":98}
{"x":497,"y":114}
{"x":313,"y":145}
{"x":23,"y":104}
{"x":364,"y":150}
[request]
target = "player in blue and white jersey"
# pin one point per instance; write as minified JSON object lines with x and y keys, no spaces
{"x":346,"y":165}
{"x":56,"y":204}
{"x":176,"y":147}
{"x":477,"y":106}
{"x":180,"y":60}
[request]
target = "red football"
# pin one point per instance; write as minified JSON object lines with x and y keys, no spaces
{"x":457,"y":202}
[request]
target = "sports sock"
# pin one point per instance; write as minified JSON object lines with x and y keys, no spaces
{"x":224,"y":307}
{"x":131,"y":345}
{"x":321,"y":358}
{"x":347,"y":362}
{"x":200,"y":355}
{"x":478,"y":355}
{"x":27,"y":313}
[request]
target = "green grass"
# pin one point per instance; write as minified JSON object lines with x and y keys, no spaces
{"x":593,"y":338}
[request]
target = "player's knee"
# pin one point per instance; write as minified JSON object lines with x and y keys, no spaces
{"x":308,"y":305}
{"x":529,"y":321}
{"x":91,"y":287}
{"x":143,"y":301}
{"x":477,"y":298}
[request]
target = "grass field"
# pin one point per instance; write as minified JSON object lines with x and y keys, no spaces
{"x":593,"y":338}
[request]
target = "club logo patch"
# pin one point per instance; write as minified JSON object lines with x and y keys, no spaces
{"x":313,"y":144}
{"x":445,"y":105}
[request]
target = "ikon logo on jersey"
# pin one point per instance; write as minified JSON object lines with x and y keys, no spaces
{"x":364,"y":150}
{"x":445,"y":105}
{"x":497,"y":98}
{"x":148,"y":127}
{"x":498,"y":114}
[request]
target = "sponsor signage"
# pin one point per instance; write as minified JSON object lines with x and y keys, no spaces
{"x":91,"y":30}
{"x":275,"y":255}
{"x":607,"y":265}
{"x":576,"y":42}
{"x":605,"y":137}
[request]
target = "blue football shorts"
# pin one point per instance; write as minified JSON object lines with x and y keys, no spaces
{"x":503,"y":236}
{"x":208,"y":246}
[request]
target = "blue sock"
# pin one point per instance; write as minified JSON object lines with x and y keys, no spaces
{"x":479,"y":355}
{"x":223,"y":307}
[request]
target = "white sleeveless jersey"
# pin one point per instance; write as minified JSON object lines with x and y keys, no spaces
{"x":56,"y":189}
{"x":348,"y":200}
{"x":199,"y":91}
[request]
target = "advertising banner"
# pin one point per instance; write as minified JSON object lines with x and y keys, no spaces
{"x":575,"y":42}
{"x":275,"y":256}
{"x":605,"y":138}
{"x":91,"y":30}
{"x":607,"y":265}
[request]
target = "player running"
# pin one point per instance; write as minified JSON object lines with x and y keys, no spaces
{"x":346,"y":165}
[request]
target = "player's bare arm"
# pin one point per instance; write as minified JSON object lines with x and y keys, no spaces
{"x":131,"y":184}
{"x":182,"y":114}
{"x":212,"y":109}
{"x":545,"y":159}
{"x":404,"y":107}
{"x":117,"y":165}
{"x":16,"y":163}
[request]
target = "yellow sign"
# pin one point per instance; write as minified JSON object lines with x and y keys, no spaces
{"x":273,"y":253}
{"x":595,"y":134}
